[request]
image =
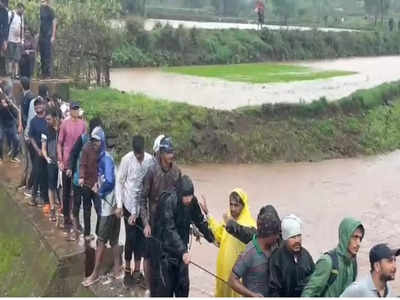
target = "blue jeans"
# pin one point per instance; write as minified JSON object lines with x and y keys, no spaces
{"x":12,"y":139}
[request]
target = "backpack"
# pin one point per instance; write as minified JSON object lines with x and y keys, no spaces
{"x":335,"y":270}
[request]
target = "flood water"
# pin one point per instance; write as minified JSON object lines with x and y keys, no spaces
{"x":321,"y":194}
{"x":220,"y":94}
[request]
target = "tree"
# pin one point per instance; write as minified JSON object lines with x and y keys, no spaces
{"x":286,"y":9}
{"x":377,"y":8}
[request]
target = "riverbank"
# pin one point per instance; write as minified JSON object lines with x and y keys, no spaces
{"x":361,"y":124}
{"x":167,"y":46}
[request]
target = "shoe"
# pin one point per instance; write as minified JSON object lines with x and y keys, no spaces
{"x":27,"y":194}
{"x":46,"y":209}
{"x":40,"y":203}
{"x":32,"y":202}
{"x":128,"y":278}
{"x":21,"y":188}
{"x":138,"y":277}
{"x":52,"y":216}
{"x":15,"y":160}
{"x":89,"y":237}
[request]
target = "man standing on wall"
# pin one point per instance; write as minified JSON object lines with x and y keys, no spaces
{"x":15,"y":39}
{"x":47,"y":36}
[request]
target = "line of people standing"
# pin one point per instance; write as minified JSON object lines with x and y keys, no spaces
{"x":18,"y":42}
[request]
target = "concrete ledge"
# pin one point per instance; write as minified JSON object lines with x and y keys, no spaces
{"x":48,"y":265}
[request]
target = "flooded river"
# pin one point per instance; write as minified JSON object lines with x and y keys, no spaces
{"x":220,"y":94}
{"x":321,"y":194}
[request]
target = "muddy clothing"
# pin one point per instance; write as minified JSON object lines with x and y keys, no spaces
{"x":242,"y":233}
{"x":318,"y":283}
{"x":170,"y":276}
{"x":288,"y":274}
{"x":88,"y":166}
{"x":155,"y":182}
{"x":252,"y":268}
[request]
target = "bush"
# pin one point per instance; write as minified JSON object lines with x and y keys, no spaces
{"x":181,"y":46}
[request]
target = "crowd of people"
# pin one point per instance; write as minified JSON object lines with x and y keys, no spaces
{"x":262,"y":257}
{"x":19,"y":43}
{"x":69,"y":166}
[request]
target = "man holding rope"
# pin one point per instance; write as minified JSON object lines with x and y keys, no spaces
{"x":170,"y":257}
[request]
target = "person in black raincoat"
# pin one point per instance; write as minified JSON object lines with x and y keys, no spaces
{"x":291,"y":265}
{"x":169,"y":258}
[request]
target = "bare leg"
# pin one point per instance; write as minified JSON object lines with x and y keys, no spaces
{"x":137,"y":265}
{"x":98,"y":260}
{"x":117,"y":260}
{"x":52,"y":197}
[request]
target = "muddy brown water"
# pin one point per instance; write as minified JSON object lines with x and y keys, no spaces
{"x":221,"y":94}
{"x":321,"y":194}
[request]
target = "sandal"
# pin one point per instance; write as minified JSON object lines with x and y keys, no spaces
{"x":87,"y":282}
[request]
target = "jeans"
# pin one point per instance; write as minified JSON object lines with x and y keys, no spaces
{"x":88,"y":197}
{"x":12,"y":138}
{"x":45,"y":57}
{"x":40,"y":177}
{"x":66,"y":184}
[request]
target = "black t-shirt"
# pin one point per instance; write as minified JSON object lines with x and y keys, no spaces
{"x":26,"y":101}
{"x":8,"y":116}
{"x":38,"y":127}
{"x":51,"y":142}
{"x":47,"y":17}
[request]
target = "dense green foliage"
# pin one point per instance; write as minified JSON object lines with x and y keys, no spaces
{"x":174,"y":47}
{"x":257,"y":73}
{"x":365,"y":123}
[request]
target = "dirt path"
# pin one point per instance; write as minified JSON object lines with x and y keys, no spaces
{"x":220,"y":94}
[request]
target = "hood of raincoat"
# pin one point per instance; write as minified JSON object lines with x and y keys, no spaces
{"x":346,"y":230}
{"x":245,"y":217}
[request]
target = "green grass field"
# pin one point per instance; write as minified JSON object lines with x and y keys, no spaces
{"x":258,"y":73}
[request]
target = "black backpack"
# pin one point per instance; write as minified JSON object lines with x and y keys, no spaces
{"x":335,"y":270}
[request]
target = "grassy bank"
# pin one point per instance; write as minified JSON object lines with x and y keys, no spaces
{"x":166,"y":46}
{"x":360,"y":124}
{"x":258,"y":73}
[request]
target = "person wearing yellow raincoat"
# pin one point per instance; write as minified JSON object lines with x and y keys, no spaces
{"x":229,"y":247}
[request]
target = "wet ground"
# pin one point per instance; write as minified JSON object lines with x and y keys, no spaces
{"x":321,"y":194}
{"x":220,"y":94}
{"x":150,"y":23}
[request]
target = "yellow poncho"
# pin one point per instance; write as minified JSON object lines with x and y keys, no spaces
{"x":229,"y":247}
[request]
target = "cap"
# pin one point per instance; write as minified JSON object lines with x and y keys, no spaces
{"x":156,"y":145}
{"x":74,"y":105}
{"x":382,"y":251}
{"x":166,"y":145}
{"x":96,"y":133}
{"x":187,"y":186}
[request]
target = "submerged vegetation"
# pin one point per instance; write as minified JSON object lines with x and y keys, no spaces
{"x":258,"y":73}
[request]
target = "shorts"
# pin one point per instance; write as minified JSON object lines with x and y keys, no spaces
{"x":261,"y":17}
{"x":109,"y":229}
{"x":52,"y":173}
{"x":14,"y":51}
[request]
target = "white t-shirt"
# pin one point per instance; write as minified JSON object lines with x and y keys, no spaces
{"x":16,"y":32}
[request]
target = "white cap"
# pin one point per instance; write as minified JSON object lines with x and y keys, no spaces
{"x":291,"y":226}
{"x":157,"y":141}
